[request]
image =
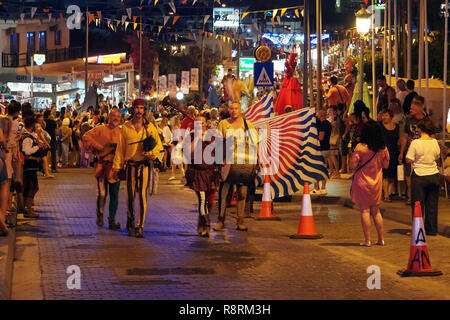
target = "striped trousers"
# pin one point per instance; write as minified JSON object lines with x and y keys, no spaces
{"x":138,"y":177}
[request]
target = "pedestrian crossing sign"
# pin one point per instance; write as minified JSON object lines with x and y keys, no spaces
{"x":263,"y":74}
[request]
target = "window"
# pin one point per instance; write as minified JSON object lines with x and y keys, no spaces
{"x":57,"y":37}
{"x":30,"y":42}
{"x":14,"y":43}
{"x":42,"y":41}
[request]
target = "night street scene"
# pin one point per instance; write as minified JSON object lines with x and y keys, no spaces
{"x":224,"y":156}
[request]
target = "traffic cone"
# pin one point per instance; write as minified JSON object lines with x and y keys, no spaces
{"x":233,"y":201}
{"x":419,"y":264}
{"x":266,"y":212}
{"x":306,"y":228}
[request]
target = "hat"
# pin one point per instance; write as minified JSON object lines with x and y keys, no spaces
{"x":138,"y":102}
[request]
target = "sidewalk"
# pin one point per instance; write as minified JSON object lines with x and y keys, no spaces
{"x":7,"y":252}
{"x":397,"y":210}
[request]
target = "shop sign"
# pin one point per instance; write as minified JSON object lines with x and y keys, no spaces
{"x":226,"y":18}
{"x":246,"y":64}
{"x":39,"y":59}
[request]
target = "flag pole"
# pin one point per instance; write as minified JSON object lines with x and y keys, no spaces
{"x":420,"y":33}
{"x":373,"y":62}
{"x":409,"y":35}
{"x":319,"y":51}
{"x":427,"y":80}
{"x":389,"y":42}
{"x":384,"y":41}
{"x":396,"y":42}
{"x":305,"y":53}
{"x":444,"y":99}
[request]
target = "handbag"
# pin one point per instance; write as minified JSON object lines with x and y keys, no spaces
{"x":334,"y":138}
{"x":359,"y":168}
{"x":400,"y":172}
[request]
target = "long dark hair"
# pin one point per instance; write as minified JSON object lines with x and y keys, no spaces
{"x":372,"y":135}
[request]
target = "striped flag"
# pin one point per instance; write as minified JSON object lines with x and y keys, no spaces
{"x":260,"y":110}
{"x":294,"y":139}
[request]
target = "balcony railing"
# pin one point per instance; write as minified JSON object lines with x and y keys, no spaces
{"x":16,"y":60}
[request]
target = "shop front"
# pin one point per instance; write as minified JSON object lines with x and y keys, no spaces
{"x":60,"y":82}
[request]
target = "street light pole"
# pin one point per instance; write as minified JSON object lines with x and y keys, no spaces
{"x":361,"y":67}
{"x":32,"y":76}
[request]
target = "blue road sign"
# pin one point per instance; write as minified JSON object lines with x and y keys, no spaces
{"x":263,"y":74}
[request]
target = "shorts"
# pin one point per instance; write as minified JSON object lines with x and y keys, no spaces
{"x":326,"y":154}
{"x":334,"y":151}
{"x":407,"y":169}
{"x":344,"y":147}
{"x":3,"y":172}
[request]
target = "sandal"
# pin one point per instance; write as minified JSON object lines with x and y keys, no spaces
{"x":365,"y":244}
{"x":380,"y":243}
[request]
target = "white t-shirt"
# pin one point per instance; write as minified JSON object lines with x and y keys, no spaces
{"x":401,"y":96}
{"x":424,"y":153}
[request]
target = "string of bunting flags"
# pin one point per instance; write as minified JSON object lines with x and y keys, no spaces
{"x":99,"y":18}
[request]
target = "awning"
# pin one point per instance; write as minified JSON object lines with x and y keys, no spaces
{"x":67,"y":71}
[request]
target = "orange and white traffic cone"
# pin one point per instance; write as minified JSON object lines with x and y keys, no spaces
{"x":233,"y":201}
{"x":419,"y":264}
{"x":306,"y":228}
{"x":266,"y":212}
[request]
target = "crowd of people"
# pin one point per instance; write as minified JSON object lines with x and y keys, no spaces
{"x":400,"y":140}
{"x":131,"y":143}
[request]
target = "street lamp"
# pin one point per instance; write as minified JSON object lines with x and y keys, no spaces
{"x":39,"y":59}
{"x":362,"y":27}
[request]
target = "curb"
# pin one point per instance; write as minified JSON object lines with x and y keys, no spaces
{"x":6,"y":287}
{"x":387,"y":213}
{"x":394,"y":215}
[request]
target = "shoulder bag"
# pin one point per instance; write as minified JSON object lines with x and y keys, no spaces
{"x":239,"y":173}
{"x":359,"y":168}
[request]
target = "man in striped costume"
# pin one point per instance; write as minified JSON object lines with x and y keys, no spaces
{"x":138,"y":162}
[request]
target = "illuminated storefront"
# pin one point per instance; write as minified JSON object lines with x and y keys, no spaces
{"x":60,"y":82}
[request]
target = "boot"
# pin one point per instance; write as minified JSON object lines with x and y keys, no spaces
{"x":199,"y":225}
{"x":220,"y":224}
{"x":130,"y":227}
{"x":206,"y":226}
{"x":240,"y":224}
{"x":139,"y":232}
{"x":29,"y":212}
{"x":20,"y":203}
{"x":99,"y":219}
{"x":113,"y":225}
